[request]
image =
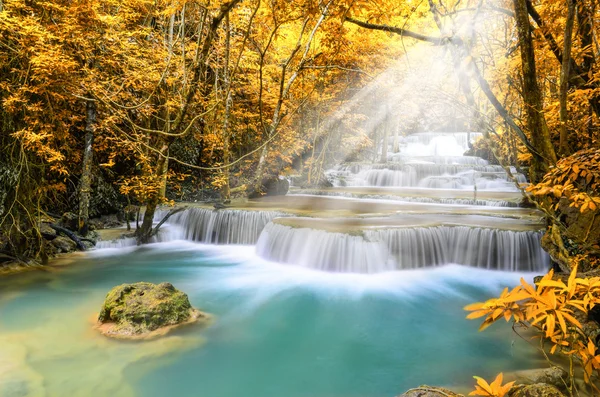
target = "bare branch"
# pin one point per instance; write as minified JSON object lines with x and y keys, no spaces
{"x":399,"y":31}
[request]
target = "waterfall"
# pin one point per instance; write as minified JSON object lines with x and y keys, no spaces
{"x":425,"y":168}
{"x":225,"y":226}
{"x":505,"y":250}
{"x":117,"y":243}
{"x":380,"y":250}
{"x":317,"y":249}
{"x":424,"y":174}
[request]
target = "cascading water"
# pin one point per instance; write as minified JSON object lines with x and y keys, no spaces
{"x":422,"y":167}
{"x":398,"y":243}
{"x":380,"y":250}
{"x":318,"y":249}
{"x":224,"y":226}
{"x":429,"y":160}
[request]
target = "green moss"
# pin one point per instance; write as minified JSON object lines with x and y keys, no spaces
{"x":144,"y":307}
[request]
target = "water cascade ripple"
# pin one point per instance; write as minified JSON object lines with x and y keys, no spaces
{"x":428,"y":160}
{"x":380,"y":250}
{"x":219,"y":226}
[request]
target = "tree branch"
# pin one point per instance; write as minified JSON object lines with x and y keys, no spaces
{"x":166,"y":218}
{"x":399,"y":31}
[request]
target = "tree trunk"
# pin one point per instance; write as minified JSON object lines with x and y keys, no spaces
{"x":532,"y":96}
{"x":226,"y":189}
{"x":564,"y":79}
{"x":260,"y":169}
{"x":163,"y":183}
{"x":85,"y":187}
{"x":144,"y":233}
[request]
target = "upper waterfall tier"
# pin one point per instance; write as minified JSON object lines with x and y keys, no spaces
{"x":426,"y":175}
{"x":428,"y":160}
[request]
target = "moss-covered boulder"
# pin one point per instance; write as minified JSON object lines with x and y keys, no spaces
{"x":142,"y":310}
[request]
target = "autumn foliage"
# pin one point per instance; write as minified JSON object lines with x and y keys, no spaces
{"x":575,"y":178}
{"x":493,"y":389}
{"x":557,"y":309}
{"x":186,"y":94}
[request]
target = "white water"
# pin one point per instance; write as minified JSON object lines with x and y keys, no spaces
{"x":429,"y":160}
{"x":380,"y":250}
{"x":219,"y":226}
{"x":436,"y":163}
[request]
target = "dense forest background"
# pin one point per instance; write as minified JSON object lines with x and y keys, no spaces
{"x":111,"y":105}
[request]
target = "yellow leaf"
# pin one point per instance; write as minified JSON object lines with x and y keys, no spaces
{"x":474,"y":306}
{"x":483,"y":384}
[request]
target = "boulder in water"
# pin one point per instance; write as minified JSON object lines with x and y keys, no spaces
{"x":145,"y":310}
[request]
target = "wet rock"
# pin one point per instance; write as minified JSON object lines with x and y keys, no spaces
{"x":47,"y":232}
{"x":143,"y":310}
{"x":429,"y":391}
{"x":535,"y":390}
{"x":554,"y":376}
{"x":64,"y":244}
{"x":91,"y":239}
{"x":88,"y":244}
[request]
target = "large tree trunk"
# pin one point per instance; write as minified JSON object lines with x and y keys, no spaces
{"x":532,"y":96}
{"x":564,"y":79}
{"x":85,"y":187}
